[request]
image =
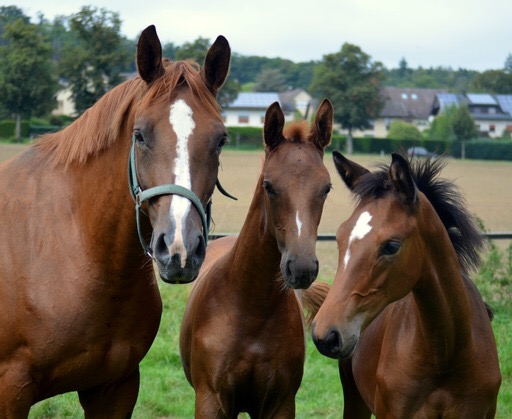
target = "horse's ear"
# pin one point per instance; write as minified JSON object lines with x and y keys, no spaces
{"x":321,"y":130}
{"x":216,"y":64}
{"x":349,"y":171}
{"x":149,"y":55}
{"x":400,"y":175}
{"x":273,"y":128}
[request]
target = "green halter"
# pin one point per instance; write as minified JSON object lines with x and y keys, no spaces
{"x":139,"y":195}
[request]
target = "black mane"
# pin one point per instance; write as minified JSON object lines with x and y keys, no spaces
{"x":443,"y":195}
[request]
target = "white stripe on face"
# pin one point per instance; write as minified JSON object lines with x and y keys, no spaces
{"x":180,"y":117}
{"x":298,"y":222}
{"x":361,"y":229}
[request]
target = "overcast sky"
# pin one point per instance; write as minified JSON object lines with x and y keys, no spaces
{"x":471,"y":34}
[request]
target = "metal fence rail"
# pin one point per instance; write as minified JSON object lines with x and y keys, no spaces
{"x":332,"y":237}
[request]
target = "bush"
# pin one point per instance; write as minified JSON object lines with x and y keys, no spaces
{"x":245,"y":137}
{"x":400,"y":130}
{"x":8,"y":127}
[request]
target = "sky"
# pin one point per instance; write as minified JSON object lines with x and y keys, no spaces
{"x":470,"y":34}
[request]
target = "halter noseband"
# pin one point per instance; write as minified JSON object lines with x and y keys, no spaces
{"x":139,"y":196}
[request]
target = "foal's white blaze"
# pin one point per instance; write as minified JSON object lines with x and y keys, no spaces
{"x":299,"y":223}
{"x":361,"y":229}
{"x":180,"y":117}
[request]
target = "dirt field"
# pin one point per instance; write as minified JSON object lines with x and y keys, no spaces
{"x":484,"y":184}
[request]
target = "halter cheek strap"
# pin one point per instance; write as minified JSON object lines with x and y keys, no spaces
{"x":139,"y":195}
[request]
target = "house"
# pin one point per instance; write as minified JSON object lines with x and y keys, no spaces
{"x":492,"y":113}
{"x":412,"y":105}
{"x":249,"y":108}
{"x":65,"y":103}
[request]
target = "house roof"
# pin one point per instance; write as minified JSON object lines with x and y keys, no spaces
{"x":479,"y":105}
{"x":408,"y":103}
{"x":254,"y":100}
{"x":481,"y":99}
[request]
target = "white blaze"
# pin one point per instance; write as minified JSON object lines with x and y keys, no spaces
{"x":361,"y":229}
{"x":180,"y":117}
{"x":298,"y":222}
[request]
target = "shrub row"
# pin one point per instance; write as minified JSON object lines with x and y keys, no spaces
{"x":484,"y":149}
{"x":8,"y":128}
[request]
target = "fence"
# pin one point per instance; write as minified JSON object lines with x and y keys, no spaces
{"x":332,"y":237}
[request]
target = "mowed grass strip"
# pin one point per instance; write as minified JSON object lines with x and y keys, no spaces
{"x":165,"y":393}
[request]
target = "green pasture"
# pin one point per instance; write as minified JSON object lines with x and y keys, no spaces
{"x":164,"y":391}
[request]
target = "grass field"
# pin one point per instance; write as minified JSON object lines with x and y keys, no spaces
{"x":165,"y":392}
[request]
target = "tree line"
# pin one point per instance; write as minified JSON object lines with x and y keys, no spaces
{"x":87,"y":53}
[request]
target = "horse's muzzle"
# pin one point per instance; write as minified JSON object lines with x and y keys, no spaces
{"x":332,"y":344}
{"x":299,"y":273}
{"x":178,"y":263}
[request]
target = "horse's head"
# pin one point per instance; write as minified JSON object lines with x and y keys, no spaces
{"x":296,"y":184}
{"x":178,"y":135}
{"x":380,"y":253}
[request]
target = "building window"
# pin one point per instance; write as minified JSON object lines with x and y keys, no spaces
{"x":492,"y":128}
{"x":243,"y":119}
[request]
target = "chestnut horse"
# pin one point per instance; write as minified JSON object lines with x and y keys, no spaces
{"x":242,"y":340}
{"x":411,"y":331}
{"x":80,"y":302}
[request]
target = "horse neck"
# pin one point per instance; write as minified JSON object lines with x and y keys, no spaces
{"x":104,"y":204}
{"x":256,"y":256}
{"x":443,"y":305}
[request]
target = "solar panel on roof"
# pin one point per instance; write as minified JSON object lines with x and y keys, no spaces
{"x":446,"y":100}
{"x":505,"y":102}
{"x":481,"y":99}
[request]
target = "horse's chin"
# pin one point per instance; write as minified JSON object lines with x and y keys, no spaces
{"x":177,"y":274}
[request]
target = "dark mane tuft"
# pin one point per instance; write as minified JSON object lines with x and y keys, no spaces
{"x":446,"y":199}
{"x":296,"y":132}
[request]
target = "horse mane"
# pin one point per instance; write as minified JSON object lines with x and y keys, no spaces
{"x":446,"y":199}
{"x":105,"y":122}
{"x":296,"y":132}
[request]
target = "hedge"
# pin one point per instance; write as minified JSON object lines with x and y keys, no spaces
{"x":8,"y":129}
{"x":485,"y":149}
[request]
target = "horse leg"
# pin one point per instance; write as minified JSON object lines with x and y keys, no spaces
{"x":17,"y":392}
{"x":115,"y":400}
{"x":285,"y":410}
{"x":354,"y":406}
{"x":208,"y":405}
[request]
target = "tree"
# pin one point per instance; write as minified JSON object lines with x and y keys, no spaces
{"x":352,"y":82}
{"x":27,"y":82}
{"x":270,"y":80}
{"x":400,"y":130}
{"x":508,"y":64}
{"x":464,"y":127}
{"x":193,"y":50}
{"x":493,"y":81}
{"x":93,"y":62}
{"x":441,"y":129}
{"x":9,"y":14}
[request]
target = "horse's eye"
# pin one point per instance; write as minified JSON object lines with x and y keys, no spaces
{"x":221,"y":142}
{"x":327,"y":190}
{"x":139,"y":138}
{"x":269,"y":188}
{"x":391,"y":247}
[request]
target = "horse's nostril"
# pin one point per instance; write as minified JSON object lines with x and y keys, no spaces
{"x":288,"y":269}
{"x":333,"y":341}
{"x":160,"y":248}
{"x":200,"y":252}
{"x":316,"y":269}
{"x":329,"y":346}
